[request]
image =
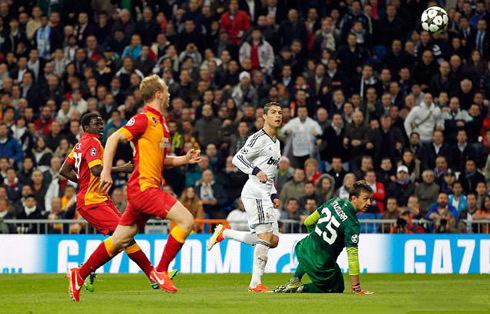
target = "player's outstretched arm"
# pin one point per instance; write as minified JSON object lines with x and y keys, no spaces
{"x":126,"y":168}
{"x":68,"y":172}
{"x":110,"y":151}
{"x":193,"y":156}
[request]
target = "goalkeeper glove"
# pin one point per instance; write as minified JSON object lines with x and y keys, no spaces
{"x":357,"y":290}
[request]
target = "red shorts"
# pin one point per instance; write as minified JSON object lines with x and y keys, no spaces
{"x":104,"y":216}
{"x":143,"y":205}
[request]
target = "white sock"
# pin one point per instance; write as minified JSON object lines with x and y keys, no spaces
{"x":260,"y":260}
{"x":241,"y":236}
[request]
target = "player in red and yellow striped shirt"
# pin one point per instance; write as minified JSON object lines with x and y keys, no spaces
{"x":150,"y":138}
{"x":84,"y":165}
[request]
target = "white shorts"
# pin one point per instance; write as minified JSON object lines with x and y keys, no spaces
{"x":260,"y":212}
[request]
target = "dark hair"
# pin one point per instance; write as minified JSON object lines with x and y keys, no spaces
{"x":269,"y":105}
{"x":85,"y":120}
{"x":360,"y":186}
{"x":30,"y":196}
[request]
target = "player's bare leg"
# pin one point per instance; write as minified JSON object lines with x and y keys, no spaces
{"x":221,"y":232}
{"x":184,"y":225}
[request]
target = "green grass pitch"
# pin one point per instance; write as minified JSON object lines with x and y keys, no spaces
{"x":227,"y":293}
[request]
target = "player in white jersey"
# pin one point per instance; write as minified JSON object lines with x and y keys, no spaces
{"x":259,"y":158}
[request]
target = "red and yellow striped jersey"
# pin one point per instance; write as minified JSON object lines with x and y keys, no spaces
{"x":150,"y":138}
{"x":87,"y":153}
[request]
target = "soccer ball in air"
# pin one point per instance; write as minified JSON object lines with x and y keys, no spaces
{"x":434,"y":20}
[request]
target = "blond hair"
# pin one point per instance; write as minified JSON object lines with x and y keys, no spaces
{"x":149,"y":86}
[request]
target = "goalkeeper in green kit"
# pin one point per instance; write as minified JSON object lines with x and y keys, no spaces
{"x":332,"y":227}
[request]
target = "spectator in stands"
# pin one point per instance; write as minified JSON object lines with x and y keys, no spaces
{"x":302,"y":130}
{"x":424,"y":119}
{"x":291,"y":212}
{"x":443,"y":214}
{"x":207,"y":127}
{"x":212,"y":195}
{"x":18,"y":206}
{"x":311,"y":170}
{"x":337,"y":171}
{"x":402,"y":188}
{"x":232,"y":180}
{"x":237,"y":218}
{"x":447,"y":183}
{"x":481,"y":191}
{"x":9,"y":147}
{"x":39,"y":188}
{"x":386,"y":173}
{"x":119,"y":199}
{"x":284,"y":173}
{"x":310,"y":193}
{"x":14,"y":187}
{"x":427,"y":191}
{"x":385,"y":141}
{"x":404,"y":224}
{"x":25,"y":173}
{"x":259,"y":51}
{"x":331,"y":141}
{"x":192,"y":202}
{"x":462,"y":151}
{"x":366,"y":165}
{"x":378,"y":200}
{"x":413,"y":165}
{"x":470,"y":176}
{"x":414,"y":207}
{"x":30,"y":211}
{"x":454,"y":120}
{"x":42,"y":154}
{"x":235,"y":22}
{"x":325,"y":186}
{"x":442,"y":168}
{"x":293,"y":188}
{"x":458,"y":199}
{"x":356,"y":139}
{"x":348,"y":183}
{"x":4,"y":215}
{"x":392,"y":212}
{"x":56,"y":213}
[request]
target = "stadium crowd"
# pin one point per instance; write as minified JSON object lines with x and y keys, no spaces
{"x":365,"y":94}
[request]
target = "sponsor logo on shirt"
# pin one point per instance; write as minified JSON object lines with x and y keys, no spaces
{"x":93,"y":152}
{"x":273,"y":161}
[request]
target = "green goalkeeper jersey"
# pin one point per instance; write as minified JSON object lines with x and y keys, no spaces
{"x":337,"y":227}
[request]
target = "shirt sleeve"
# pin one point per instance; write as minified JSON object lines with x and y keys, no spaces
{"x":352,"y":231}
{"x":70,"y":159}
{"x":135,"y":127}
{"x":244,"y":158}
{"x":93,"y":154}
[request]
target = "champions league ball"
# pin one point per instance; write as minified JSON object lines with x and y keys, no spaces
{"x":434,"y":20}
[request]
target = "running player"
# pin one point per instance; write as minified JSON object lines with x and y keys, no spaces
{"x":259,"y":158}
{"x":335,"y":226}
{"x":150,"y":138}
{"x":84,"y":165}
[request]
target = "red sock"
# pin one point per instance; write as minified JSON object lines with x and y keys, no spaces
{"x":139,"y":257}
{"x":104,"y":253}
{"x":175,"y":241}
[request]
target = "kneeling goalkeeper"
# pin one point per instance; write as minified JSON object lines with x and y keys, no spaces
{"x":332,"y":227}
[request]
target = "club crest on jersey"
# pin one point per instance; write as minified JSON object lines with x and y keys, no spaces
{"x":273,"y":161}
{"x":154,"y":120}
{"x":355,"y":238}
{"x":131,"y":122}
{"x":78,"y":146}
{"x":93,"y":152}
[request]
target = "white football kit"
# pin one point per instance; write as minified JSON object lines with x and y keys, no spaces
{"x":260,"y":153}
